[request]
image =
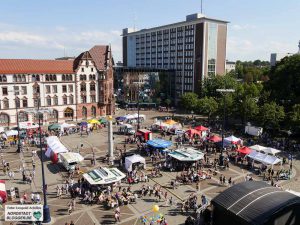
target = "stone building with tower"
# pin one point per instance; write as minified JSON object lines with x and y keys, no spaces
{"x":75,"y":89}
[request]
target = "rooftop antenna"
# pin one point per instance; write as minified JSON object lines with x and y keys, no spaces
{"x":201,"y":6}
{"x":134,"y":21}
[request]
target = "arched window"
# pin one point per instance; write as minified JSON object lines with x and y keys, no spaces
{"x":55,"y":100}
{"x":82,"y":86}
{"x":23,"y":78}
{"x":37,"y":77}
{"x":93,"y":111}
{"x":90,"y":77}
{"x":54,"y":115}
{"x":63,"y":77}
{"x":71,"y":100}
{"x":25,"y":102}
{"x":36,"y":89}
{"x":0,"y":78}
{"x":4,"y":120}
{"x":65,"y":100}
{"x":4,"y":78}
{"x":70,"y":77}
{"x":84,"y":77}
{"x":54,"y":77}
{"x":5,"y":103}
{"x":14,"y":78}
{"x":80,"y":77}
{"x":23,"y":117}
{"x":51,"y":77}
{"x":69,"y":113}
{"x":84,"y":112}
{"x":94,"y":77}
{"x":47,"y":77}
{"x":19,"y":78}
{"x":17,"y":102}
{"x":92,"y":86}
{"x":48,"y":99}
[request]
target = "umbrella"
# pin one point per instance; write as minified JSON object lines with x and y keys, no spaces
{"x":201,"y":128}
{"x":93,"y":121}
{"x":232,"y":139}
{"x":244,"y":150}
{"x":54,"y":126}
{"x":102,"y":120}
{"x":215,"y":138}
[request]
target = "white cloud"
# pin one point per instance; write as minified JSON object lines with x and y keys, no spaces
{"x":243,"y":27}
{"x":21,"y":37}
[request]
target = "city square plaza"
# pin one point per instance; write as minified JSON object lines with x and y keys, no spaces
{"x":96,"y":145}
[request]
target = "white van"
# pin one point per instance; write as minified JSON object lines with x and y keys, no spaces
{"x":126,"y":129}
{"x":70,"y":160}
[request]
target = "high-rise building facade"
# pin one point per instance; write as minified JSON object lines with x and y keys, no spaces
{"x":195,"y":49}
{"x":74,"y":89}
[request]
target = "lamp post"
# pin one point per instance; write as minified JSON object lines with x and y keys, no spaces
{"x":46,"y":210}
{"x":17,"y":120}
{"x":224,"y":91}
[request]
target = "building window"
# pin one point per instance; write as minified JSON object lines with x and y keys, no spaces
{"x":69,"y":113}
{"x":48,"y":89}
{"x":3,"y":78}
{"x":36,"y":102}
{"x":4,"y":91}
{"x":23,"y":117}
{"x":82,"y":87}
{"x":82,"y":69}
{"x":47,"y":77}
{"x":83,"y":99}
{"x":14,"y":78}
{"x":71,"y":99}
{"x":92,"y":69}
{"x":4,"y":119}
{"x":37,"y":77}
{"x":48,"y":101}
{"x":54,"y":115}
{"x":25,"y":103}
{"x":63,"y":77}
{"x":93,"y":111}
{"x":84,"y":112}
{"x":17,"y":102}
{"x":24,"y":90}
{"x":5,"y":103}
{"x":65,"y":100}
{"x":70,"y":77}
{"x":54,"y":87}
{"x":70,"y":88}
{"x":64,"y":88}
{"x":55,"y":100}
{"x":92,"y":87}
{"x":36,"y":89}
{"x":93,"y":98}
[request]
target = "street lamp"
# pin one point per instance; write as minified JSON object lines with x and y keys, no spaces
{"x":224,"y":91}
{"x":16,"y":92}
{"x":40,"y":111}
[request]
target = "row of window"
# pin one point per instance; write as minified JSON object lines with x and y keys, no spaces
{"x":84,"y":77}
{"x":54,"y":100}
{"x":4,"y":104}
{"x":54,"y":88}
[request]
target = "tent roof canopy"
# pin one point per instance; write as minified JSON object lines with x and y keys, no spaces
{"x":187,"y":154}
{"x":254,"y":202}
{"x":214,"y":138}
{"x":191,"y":132}
{"x":264,"y":158}
{"x":201,"y":128}
{"x":159,"y":143}
{"x":232,"y":139}
{"x":244,"y":150}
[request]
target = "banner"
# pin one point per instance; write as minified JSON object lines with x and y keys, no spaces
{"x":24,"y":213}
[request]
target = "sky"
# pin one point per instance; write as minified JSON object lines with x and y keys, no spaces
{"x":54,"y":28}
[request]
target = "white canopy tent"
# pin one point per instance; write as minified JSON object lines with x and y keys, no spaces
{"x":28,"y":125}
{"x":271,"y":151}
{"x":11,"y":133}
{"x":71,"y":157}
{"x":103,"y":176}
{"x":54,"y":145}
{"x":232,"y":139}
{"x":187,"y":154}
{"x":66,"y":126}
{"x":257,"y":148}
{"x":264,"y":158}
{"x":1,"y":129}
{"x":134,"y":159}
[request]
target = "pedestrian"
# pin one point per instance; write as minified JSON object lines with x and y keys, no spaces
{"x":72,"y":223}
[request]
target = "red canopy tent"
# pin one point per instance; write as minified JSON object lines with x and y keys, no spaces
{"x":201,"y":128}
{"x":244,"y":150}
{"x":214,"y":138}
{"x":3,"y":194}
{"x":191,"y":132}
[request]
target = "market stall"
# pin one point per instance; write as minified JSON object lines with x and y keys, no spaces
{"x":186,"y":155}
{"x":257,"y":148}
{"x":134,"y":161}
{"x":144,"y":135}
{"x":203,"y":130}
{"x":193,"y":132}
{"x":159,"y":143}
{"x":264,"y":158}
{"x":70,"y":159}
{"x":233,"y":140}
{"x":214,"y":139}
{"x":54,"y":147}
{"x":244,"y":150}
{"x":103,"y":176}
{"x":54,"y":126}
{"x":3,"y":194}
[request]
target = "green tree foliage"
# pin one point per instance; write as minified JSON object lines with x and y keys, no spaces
{"x":189,"y":101}
{"x":271,"y":115}
{"x":294,"y":116}
{"x":284,"y":83}
{"x":207,"y":106}
{"x":158,"y":101}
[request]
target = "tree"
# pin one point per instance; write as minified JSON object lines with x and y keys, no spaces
{"x":168,"y":103}
{"x":189,"y":101}
{"x":271,"y":115}
{"x":207,"y":106}
{"x":158,"y":101}
{"x":294,"y":116}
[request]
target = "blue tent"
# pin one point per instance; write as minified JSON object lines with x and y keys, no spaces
{"x":159,"y":143}
{"x":121,"y":118}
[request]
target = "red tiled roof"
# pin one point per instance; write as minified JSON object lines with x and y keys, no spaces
{"x":20,"y":66}
{"x":99,"y":55}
